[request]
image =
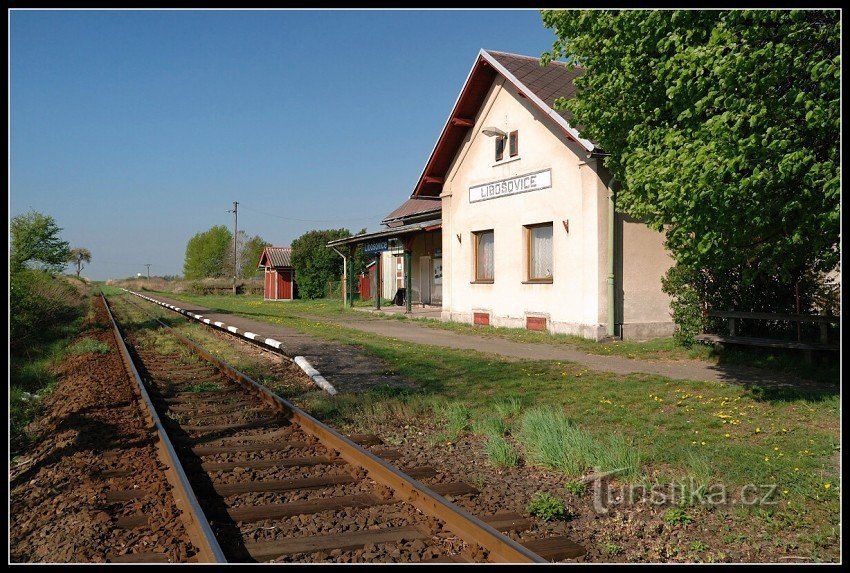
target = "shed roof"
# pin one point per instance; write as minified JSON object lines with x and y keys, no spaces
{"x":413,"y":207}
{"x":276,"y":257}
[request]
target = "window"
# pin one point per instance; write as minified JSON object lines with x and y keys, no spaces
{"x":512,"y":141}
{"x":539,"y":241}
{"x":500,"y":147}
{"x":483,"y":243}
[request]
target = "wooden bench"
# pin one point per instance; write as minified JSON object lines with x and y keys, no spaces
{"x":732,"y":318}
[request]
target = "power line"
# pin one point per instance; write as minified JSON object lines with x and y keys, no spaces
{"x":369,"y":218}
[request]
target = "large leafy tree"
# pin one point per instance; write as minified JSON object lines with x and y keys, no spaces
{"x":206,"y":253}
{"x":722,"y":128}
{"x":77,"y":257}
{"x":315,"y":264}
{"x":36,"y":241}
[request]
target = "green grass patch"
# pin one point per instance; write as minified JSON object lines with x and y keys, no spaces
{"x":489,"y":426}
{"x":551,"y":440}
{"x":203,"y":387}
{"x":456,"y":416}
{"x":88,"y":345}
{"x":500,"y":452}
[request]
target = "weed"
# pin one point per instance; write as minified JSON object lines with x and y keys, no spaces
{"x":576,"y":487}
{"x":611,"y":549}
{"x":176,"y":417}
{"x":698,"y":546}
{"x":677,"y":516}
{"x":546,"y":506}
{"x":203,"y":387}
{"x":501,"y":453}
{"x":87,"y":345}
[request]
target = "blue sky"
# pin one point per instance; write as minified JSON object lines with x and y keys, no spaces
{"x":137,"y":129}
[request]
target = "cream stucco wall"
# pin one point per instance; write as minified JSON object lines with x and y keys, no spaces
{"x":576,"y":205}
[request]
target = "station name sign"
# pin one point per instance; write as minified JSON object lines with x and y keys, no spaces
{"x":519,"y":184}
{"x":373,"y":247}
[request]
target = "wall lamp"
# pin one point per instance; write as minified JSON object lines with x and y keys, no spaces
{"x":493,"y":132}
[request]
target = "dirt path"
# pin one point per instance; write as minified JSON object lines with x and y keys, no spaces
{"x":334,"y":359}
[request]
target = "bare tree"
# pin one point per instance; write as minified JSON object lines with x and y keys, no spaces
{"x":79,"y":256}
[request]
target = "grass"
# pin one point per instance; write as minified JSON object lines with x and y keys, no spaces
{"x":203,"y":387}
{"x":88,"y":345}
{"x":489,"y":426}
{"x":501,"y":453}
{"x":664,"y":349}
{"x":551,"y":440}
{"x":689,"y":432}
{"x":31,"y":379}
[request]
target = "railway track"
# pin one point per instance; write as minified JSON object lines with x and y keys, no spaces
{"x":258,"y":479}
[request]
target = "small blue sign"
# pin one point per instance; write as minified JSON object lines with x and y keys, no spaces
{"x":374,"y":247}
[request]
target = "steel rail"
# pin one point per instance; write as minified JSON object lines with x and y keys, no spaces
{"x":474,"y":531}
{"x":191,"y":513}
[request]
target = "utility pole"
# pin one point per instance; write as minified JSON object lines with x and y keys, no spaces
{"x":235,"y":212}
{"x":149,"y":271}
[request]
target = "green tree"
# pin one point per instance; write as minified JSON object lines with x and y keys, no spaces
{"x":35,"y":240}
{"x":78,"y":256}
{"x":206,"y":253}
{"x":249,"y":250}
{"x":314,"y":263}
{"x":722,"y":129}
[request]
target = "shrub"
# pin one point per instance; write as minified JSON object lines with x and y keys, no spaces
{"x":546,"y":506}
{"x":39,"y":305}
{"x":679,"y":283}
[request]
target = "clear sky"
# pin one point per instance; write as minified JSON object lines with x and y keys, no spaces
{"x":137,"y":129}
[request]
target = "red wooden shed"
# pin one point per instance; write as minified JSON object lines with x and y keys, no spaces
{"x":280,"y":277}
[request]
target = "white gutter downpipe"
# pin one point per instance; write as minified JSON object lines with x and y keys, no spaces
{"x":344,"y":277}
{"x":611,"y":215}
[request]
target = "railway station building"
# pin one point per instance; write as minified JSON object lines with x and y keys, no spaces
{"x":512,"y":221}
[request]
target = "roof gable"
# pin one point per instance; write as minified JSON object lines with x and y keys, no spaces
{"x":540,"y":84}
{"x":275,"y":257}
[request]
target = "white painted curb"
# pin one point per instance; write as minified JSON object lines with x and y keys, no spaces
{"x":302,"y":362}
{"x":314,"y":375}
